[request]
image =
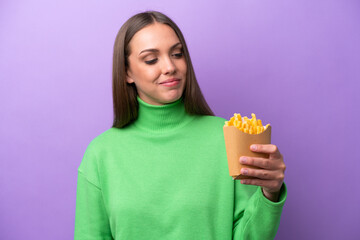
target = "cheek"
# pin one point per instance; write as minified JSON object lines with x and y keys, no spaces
{"x":146,"y":73}
{"x":151,"y":74}
{"x":183,"y":66}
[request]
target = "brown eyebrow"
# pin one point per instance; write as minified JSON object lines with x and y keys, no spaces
{"x":156,"y":50}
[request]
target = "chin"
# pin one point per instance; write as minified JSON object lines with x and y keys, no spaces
{"x":173,"y":98}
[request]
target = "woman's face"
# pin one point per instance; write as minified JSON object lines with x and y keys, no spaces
{"x":156,"y":57}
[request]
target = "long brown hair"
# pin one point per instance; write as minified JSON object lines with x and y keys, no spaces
{"x":125,"y":94}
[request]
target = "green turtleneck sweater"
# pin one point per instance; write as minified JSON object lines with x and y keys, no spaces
{"x":165,"y":176}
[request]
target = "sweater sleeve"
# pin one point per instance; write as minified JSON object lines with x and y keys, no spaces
{"x":91,"y":219}
{"x":255,"y":216}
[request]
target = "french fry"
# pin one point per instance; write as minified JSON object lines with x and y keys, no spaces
{"x":246,"y":125}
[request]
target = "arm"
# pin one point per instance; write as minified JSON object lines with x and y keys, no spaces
{"x":255,"y":216}
{"x":259,"y":218}
{"x":91,"y":218}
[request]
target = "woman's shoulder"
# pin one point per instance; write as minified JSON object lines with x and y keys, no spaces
{"x":94,"y":153}
{"x":209,"y":129}
{"x":211,"y":120}
{"x":107,"y":138}
{"x":209,"y":125}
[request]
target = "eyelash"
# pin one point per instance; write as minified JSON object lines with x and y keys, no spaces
{"x":153,"y":61}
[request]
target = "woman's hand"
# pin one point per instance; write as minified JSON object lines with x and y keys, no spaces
{"x":271,"y":173}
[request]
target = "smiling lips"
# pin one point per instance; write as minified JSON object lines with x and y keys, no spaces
{"x":170,"y":82}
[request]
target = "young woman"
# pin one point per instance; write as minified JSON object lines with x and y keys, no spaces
{"x":161,"y":171}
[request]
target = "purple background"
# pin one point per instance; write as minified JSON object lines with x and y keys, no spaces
{"x":293,"y":63}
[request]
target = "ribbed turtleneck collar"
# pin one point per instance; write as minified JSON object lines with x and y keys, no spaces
{"x":162,"y":118}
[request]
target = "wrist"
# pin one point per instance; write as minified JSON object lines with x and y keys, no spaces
{"x":272,"y":196}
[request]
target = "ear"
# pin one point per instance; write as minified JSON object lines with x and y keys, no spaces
{"x":129,"y":78}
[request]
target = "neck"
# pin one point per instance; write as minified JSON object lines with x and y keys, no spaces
{"x":162,"y":118}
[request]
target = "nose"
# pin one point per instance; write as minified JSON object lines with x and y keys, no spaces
{"x":168,"y":66}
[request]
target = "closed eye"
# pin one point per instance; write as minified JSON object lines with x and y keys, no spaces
{"x":152,"y":61}
{"x":178,"y":55}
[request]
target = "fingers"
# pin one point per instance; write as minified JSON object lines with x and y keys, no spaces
{"x":270,"y":149}
{"x":263,"y":174}
{"x":270,"y":172}
{"x":259,"y":162}
{"x":272,"y":186}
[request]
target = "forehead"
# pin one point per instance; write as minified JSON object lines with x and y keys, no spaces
{"x":157,"y":35}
